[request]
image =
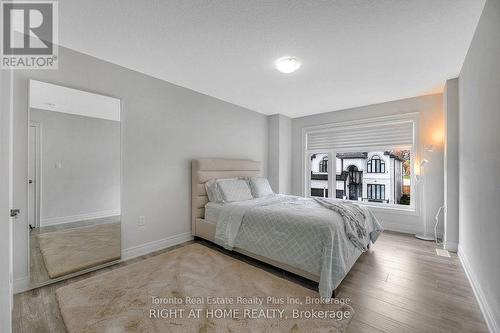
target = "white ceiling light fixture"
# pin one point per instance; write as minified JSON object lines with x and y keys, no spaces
{"x":287,"y":64}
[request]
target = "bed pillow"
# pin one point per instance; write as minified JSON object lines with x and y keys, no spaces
{"x":213,"y":192}
{"x":260,"y":187}
{"x":233,"y":190}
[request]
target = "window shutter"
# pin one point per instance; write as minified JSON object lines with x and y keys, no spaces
{"x":373,"y":134}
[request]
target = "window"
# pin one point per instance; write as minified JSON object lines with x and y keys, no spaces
{"x":323,"y":164}
{"x":375,"y":165}
{"x":368,"y":161}
{"x":386,"y":178}
{"x":375,"y":192}
{"x":355,"y":183}
{"x":319,"y":175}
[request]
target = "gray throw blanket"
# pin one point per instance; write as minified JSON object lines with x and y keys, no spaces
{"x":354,"y":220}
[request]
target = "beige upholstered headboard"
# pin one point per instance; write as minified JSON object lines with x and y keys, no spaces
{"x":203,"y":170}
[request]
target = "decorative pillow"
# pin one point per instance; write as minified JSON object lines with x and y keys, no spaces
{"x":234,"y":190}
{"x":213,"y":192}
{"x":260,"y":187}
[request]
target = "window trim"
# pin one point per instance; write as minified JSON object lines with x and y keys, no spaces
{"x":414,"y":207}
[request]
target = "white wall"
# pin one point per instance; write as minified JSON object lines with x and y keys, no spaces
{"x":164,"y":126}
{"x":430,"y":109}
{"x":280,"y":153}
{"x":451,"y":180}
{"x":86,"y":152}
{"x":479,"y":151}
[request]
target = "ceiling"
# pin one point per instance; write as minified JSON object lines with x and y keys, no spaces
{"x":51,"y":97}
{"x":353,"y":52}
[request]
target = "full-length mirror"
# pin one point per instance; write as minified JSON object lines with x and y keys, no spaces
{"x":74,"y":181}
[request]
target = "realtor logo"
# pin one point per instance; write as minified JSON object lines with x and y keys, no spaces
{"x":29,"y":34}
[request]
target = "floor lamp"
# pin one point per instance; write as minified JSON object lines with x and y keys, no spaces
{"x":424,"y":235}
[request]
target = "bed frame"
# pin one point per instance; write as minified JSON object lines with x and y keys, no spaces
{"x":202,"y":170}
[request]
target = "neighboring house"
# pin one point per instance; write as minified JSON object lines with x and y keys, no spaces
{"x":367,"y":176}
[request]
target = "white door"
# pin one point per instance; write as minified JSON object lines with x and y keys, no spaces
{"x":33,"y":172}
{"x":5,"y":201}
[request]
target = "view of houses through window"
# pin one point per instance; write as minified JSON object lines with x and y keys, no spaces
{"x":375,"y":176}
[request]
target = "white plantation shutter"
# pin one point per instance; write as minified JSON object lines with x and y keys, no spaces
{"x":372,"y":134}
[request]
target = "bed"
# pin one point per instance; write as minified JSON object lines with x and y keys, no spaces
{"x":299,"y":235}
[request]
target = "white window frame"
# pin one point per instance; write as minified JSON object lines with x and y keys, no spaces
{"x":412,"y":209}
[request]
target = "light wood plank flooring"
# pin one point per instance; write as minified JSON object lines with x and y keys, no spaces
{"x":400,"y":285}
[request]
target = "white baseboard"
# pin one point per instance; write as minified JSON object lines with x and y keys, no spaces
{"x":451,"y":246}
{"x":140,"y":250}
{"x":493,"y":326}
{"x":21,"y":284}
{"x":80,"y":217}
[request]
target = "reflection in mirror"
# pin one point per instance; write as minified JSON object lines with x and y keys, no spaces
{"x":74,"y":181}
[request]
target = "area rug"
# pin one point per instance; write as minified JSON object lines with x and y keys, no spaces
{"x":195,"y":289}
{"x":71,"y":250}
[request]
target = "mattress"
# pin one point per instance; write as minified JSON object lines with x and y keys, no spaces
{"x":213,"y":211}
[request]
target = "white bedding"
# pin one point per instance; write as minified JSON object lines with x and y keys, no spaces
{"x":213,"y":211}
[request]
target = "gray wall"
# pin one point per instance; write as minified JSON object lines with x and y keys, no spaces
{"x":88,"y":153}
{"x":479,"y":154}
{"x":451,"y":180}
{"x":164,"y":126}
{"x":280,"y":153}
{"x":285,"y":154}
{"x":430,"y":109}
{"x":273,"y":165}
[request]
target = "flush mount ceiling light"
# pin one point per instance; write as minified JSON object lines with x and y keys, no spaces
{"x":287,"y":64}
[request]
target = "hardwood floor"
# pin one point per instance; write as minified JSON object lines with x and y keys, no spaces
{"x":400,"y":285}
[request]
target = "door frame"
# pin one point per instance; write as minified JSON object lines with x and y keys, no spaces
{"x":6,"y":199}
{"x":38,"y":172}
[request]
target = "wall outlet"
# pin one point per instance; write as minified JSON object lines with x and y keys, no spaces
{"x":142,"y":221}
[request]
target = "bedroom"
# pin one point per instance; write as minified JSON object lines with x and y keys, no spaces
{"x":372,"y":112}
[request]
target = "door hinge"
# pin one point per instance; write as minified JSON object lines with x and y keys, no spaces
{"x":14,"y":212}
